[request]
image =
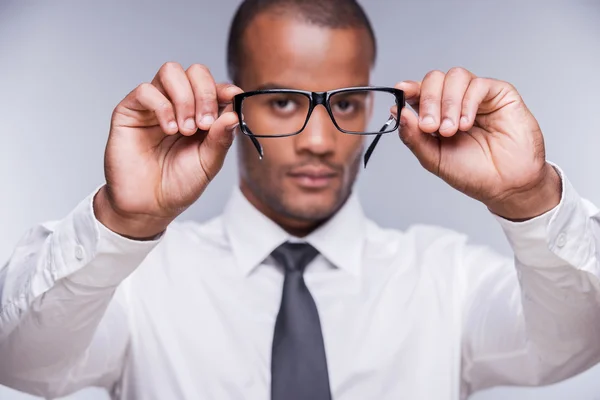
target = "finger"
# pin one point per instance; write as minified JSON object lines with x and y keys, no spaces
{"x":430,"y":101}
{"x":478,"y":91}
{"x":394,"y":110}
{"x":412,"y":91}
{"x":216,"y":143}
{"x":455,"y":86}
{"x":226,"y":91}
{"x":225,"y":94}
{"x":147,"y":97}
{"x":205,"y":95}
{"x":227,"y":108}
{"x":173,"y":82}
{"x":423,"y":145}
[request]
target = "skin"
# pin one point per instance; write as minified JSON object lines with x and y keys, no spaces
{"x":306,"y":178}
{"x":478,"y":135}
{"x":162,"y":152}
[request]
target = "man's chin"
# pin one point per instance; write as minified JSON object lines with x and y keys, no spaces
{"x":309,"y":216}
{"x":311,"y":207}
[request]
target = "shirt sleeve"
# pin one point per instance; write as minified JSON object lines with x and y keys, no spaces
{"x":534,"y":320}
{"x":63,"y":317}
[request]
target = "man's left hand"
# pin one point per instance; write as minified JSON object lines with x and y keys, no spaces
{"x":478,"y":135}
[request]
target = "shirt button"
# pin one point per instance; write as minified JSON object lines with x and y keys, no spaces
{"x":79,"y":252}
{"x":561,"y":240}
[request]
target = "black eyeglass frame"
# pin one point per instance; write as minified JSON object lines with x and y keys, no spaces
{"x":321,"y":98}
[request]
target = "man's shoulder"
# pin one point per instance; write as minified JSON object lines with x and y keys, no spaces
{"x":187,"y":241}
{"x":418,"y":235}
{"x":418,"y":230}
{"x":187,"y":231}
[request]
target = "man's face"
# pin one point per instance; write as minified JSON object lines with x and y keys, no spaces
{"x":302,"y":179}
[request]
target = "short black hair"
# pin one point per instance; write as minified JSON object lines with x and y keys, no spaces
{"x":326,"y":13}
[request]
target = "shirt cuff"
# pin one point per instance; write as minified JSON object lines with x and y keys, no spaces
{"x":554,"y":238}
{"x":90,"y":254}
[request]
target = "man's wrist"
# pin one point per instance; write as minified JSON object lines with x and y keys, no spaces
{"x":540,"y":199}
{"x":135,"y":227}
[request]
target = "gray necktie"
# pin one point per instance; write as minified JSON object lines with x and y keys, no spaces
{"x":298,"y":362}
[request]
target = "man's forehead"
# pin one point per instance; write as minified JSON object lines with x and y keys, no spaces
{"x":284,"y":48}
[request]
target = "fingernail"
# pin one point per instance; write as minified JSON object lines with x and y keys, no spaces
{"x":232,"y":127}
{"x":428,"y":120}
{"x":464,"y":120}
{"x":447,"y":123}
{"x":402,"y":122}
{"x":189,"y":124}
{"x":172,"y":125}
{"x":207,"y":120}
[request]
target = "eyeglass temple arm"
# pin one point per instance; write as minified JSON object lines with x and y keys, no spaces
{"x":376,"y":140}
{"x":257,"y":145}
{"x":254,"y":141}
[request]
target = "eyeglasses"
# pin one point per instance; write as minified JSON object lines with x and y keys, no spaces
{"x":276,"y":113}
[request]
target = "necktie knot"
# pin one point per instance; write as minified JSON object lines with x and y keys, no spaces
{"x":294,"y":256}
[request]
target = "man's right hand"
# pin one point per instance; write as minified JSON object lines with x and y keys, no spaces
{"x":166,"y":143}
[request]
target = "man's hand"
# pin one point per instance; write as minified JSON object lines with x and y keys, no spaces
{"x":478,"y":136}
{"x":166,"y":143}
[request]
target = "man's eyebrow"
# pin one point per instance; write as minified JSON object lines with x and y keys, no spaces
{"x":272,"y":85}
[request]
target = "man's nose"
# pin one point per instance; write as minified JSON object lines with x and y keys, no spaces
{"x":319,"y":135}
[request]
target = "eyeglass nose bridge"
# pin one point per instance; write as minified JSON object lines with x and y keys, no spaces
{"x":318,"y":99}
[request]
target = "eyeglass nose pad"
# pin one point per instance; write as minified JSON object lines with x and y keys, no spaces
{"x":377,"y":138}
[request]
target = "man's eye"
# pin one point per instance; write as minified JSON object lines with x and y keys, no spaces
{"x":283,"y":105}
{"x":343,"y":107}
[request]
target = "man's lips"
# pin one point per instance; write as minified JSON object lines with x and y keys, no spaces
{"x":313,"y":177}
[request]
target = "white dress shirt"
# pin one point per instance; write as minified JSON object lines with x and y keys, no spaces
{"x":419,"y":314}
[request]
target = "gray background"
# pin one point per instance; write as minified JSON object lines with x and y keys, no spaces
{"x":64,"y":65}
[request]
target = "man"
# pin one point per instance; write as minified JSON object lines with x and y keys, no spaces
{"x":293,"y":293}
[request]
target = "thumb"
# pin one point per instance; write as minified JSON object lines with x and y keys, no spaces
{"x":425,"y":146}
{"x":218,"y":140}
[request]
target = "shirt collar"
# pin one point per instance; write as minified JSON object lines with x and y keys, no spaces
{"x":253,"y":236}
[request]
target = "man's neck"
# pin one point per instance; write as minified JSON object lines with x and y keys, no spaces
{"x":294,"y":226}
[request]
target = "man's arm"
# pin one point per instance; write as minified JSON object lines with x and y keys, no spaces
{"x":536,"y":320}
{"x":61,"y":326}
{"x":63,"y":323}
